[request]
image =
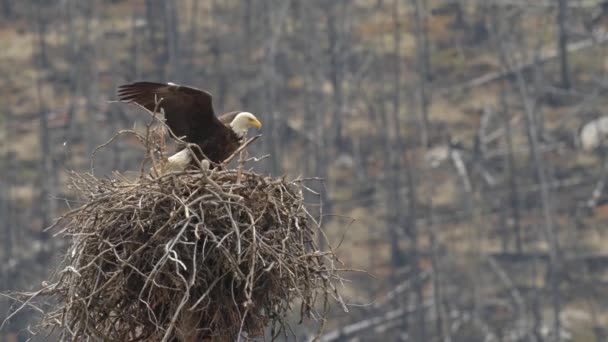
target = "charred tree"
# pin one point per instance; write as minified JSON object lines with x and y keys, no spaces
{"x":562,"y":18}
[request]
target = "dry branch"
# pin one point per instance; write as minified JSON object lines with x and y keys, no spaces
{"x":524,"y":66}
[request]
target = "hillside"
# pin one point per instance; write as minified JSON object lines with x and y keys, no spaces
{"x":446,"y":135}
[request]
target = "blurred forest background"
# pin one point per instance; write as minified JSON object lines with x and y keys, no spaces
{"x":464,"y":137}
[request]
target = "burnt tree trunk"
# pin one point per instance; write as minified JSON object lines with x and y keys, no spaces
{"x":563,"y":43}
{"x":512,"y":175}
{"x":48,"y":188}
{"x":424,"y":66}
{"x":335,"y":72}
{"x":174,"y":69}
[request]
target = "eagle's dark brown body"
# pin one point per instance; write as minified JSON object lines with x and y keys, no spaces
{"x":219,"y":146}
{"x":190,"y":116}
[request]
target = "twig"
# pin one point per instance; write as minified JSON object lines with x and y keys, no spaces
{"x":124,"y":131}
{"x":238,"y":150}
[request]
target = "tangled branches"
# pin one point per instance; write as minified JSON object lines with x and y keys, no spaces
{"x":187,"y":257}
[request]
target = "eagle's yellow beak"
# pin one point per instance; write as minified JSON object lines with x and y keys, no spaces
{"x":256,"y":123}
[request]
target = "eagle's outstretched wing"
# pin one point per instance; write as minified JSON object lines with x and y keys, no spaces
{"x":188,"y":111}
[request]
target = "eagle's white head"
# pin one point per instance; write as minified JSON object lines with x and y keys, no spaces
{"x":243,"y":121}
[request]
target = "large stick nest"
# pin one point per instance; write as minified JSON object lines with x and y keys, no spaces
{"x":188,"y":256}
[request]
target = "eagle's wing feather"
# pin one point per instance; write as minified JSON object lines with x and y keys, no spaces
{"x":188,"y":111}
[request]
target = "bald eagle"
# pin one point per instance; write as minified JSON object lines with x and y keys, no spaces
{"x":189,"y":114}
